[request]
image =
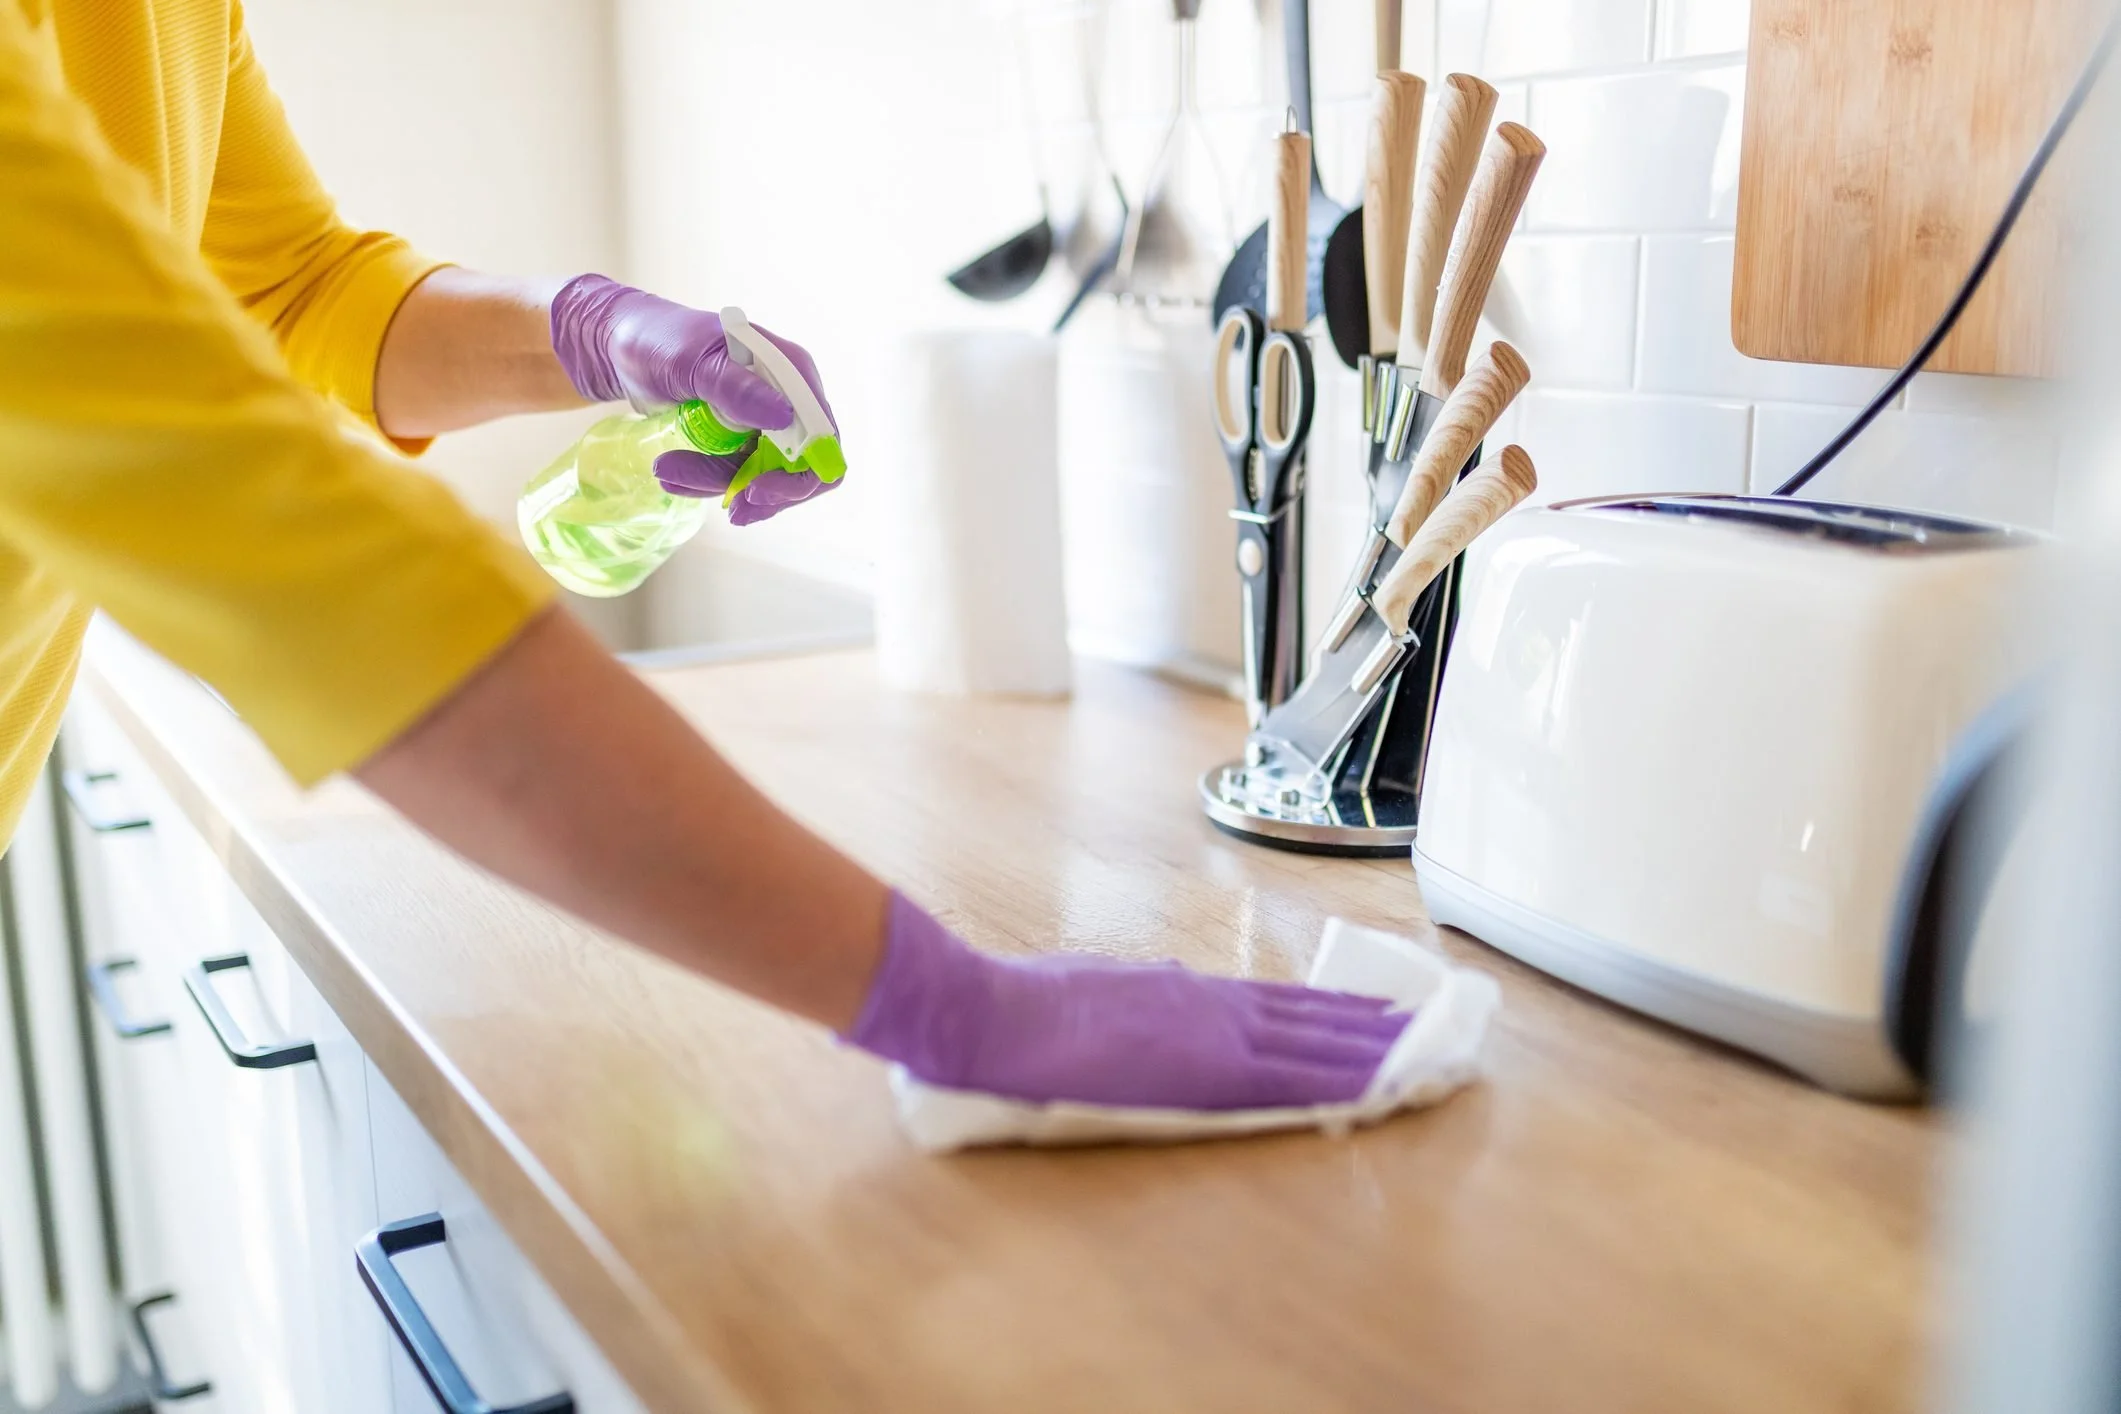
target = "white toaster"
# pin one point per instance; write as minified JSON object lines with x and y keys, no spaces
{"x":1702,"y":755}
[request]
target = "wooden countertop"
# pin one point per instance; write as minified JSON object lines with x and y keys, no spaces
{"x":1619,"y":1218}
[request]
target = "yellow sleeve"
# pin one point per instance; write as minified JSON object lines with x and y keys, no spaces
{"x":158,"y":460}
{"x":274,"y":237}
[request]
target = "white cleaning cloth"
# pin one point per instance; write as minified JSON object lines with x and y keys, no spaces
{"x":1438,"y":1053}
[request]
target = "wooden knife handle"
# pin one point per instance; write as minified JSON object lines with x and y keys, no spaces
{"x":1387,"y":198}
{"x":1498,"y":376}
{"x":1473,"y":505}
{"x":1288,"y":233}
{"x":1499,"y":188}
{"x":1463,"y":106}
{"x":1387,"y":35}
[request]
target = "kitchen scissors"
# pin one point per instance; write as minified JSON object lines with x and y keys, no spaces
{"x":1265,"y":390}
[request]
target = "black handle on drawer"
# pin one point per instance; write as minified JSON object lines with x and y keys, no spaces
{"x":80,"y":788}
{"x":199,"y":982}
{"x":415,"y":1332}
{"x":160,"y":1384}
{"x":105,"y":992}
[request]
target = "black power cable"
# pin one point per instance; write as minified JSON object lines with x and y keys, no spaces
{"x":2011,"y":210}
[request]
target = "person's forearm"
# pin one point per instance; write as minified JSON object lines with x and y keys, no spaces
{"x":465,"y":348}
{"x":557,"y":769}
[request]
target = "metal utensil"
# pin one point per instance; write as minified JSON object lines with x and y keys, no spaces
{"x":1091,"y":247}
{"x":1264,"y":393}
{"x":1178,"y":231}
{"x":1244,"y":279}
{"x":1011,"y":267}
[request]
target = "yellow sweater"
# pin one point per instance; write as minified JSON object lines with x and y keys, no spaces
{"x":176,"y":292}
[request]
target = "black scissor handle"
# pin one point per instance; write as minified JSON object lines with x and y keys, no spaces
{"x":1237,"y":345}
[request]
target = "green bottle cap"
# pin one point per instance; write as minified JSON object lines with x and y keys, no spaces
{"x":708,"y":432}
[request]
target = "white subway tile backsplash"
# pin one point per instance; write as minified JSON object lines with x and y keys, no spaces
{"x":1654,"y":151}
{"x":1686,"y":334}
{"x":1570,"y":304}
{"x":1991,"y":468}
{"x":1500,"y":38}
{"x":1689,"y":27}
{"x":1513,"y":103}
{"x":1616,"y":287}
{"x":1592,"y":444}
{"x":1975,"y":394}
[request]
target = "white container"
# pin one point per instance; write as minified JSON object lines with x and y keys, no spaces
{"x":969,"y":595}
{"x":1689,"y":752}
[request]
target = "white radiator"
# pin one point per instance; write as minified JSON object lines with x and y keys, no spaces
{"x":43,"y":1073}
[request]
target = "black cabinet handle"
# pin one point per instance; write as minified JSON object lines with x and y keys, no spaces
{"x":415,"y":1332}
{"x":80,"y":788}
{"x":105,"y":992}
{"x":160,"y":1384}
{"x":199,"y":982}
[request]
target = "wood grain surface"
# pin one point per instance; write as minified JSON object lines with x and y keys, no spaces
{"x":1288,"y":230}
{"x":1504,"y":179}
{"x":1488,"y":493}
{"x":1496,"y":377}
{"x":1387,"y":199}
{"x":1388,"y":21}
{"x":1881,"y":140}
{"x":1464,"y":105}
{"x":1619,"y":1218}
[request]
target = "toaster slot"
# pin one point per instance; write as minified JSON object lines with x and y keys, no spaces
{"x":1872,"y":528}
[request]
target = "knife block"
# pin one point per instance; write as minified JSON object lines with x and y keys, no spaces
{"x":1374,"y":799}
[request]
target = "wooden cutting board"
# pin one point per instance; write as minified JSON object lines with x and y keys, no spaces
{"x":1882,"y":138}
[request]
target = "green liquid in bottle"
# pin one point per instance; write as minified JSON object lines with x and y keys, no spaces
{"x":598,"y":520}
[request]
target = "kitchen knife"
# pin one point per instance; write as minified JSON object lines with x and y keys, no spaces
{"x":1460,"y":121}
{"x":1301,"y":739}
{"x":1488,"y":387}
{"x":1463,"y":107}
{"x":1497,"y":195}
{"x":1353,"y":258}
{"x":1472,"y":506}
{"x":1493,"y":198}
{"x":1387,"y":203}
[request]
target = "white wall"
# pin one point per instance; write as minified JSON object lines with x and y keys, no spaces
{"x":482,"y":131}
{"x":824,"y":162}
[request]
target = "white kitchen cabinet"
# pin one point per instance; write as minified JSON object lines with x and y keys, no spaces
{"x":133,"y":940}
{"x":255,"y":1147}
{"x":488,"y":1312}
{"x":240,"y":1184}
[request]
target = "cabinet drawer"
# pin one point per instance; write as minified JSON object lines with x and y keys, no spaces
{"x":239,"y":1184}
{"x":489,"y":1311}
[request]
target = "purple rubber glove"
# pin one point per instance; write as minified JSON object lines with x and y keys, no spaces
{"x":617,"y":343}
{"x":1111,"y":1033}
{"x":702,"y":474}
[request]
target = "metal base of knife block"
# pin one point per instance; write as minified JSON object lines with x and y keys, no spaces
{"x":1241,"y":802}
{"x":1375,"y":795}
